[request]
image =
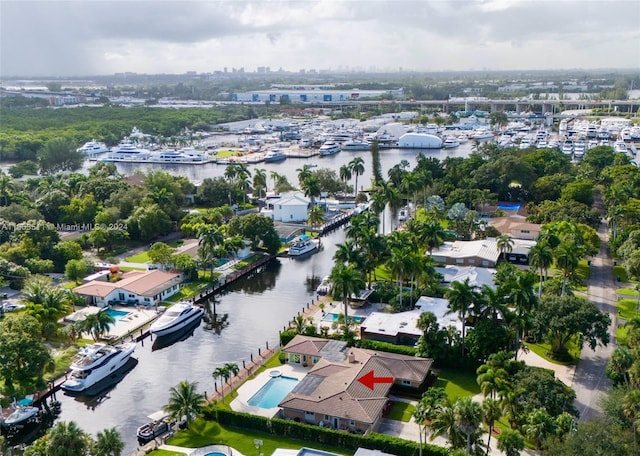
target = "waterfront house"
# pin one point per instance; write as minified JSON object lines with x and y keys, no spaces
{"x":478,"y":277}
{"x":146,"y":288}
{"x":290,"y":207}
{"x":398,"y":328}
{"x":331,"y":393}
{"x":482,"y":252}
{"x":440,"y":308}
{"x":516,"y":226}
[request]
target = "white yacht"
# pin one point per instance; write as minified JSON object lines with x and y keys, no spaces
{"x":93,"y":148}
{"x":567,"y":147}
{"x":355,"y":144}
{"x":127,"y":151}
{"x":96,"y":362}
{"x":525,"y":143}
{"x":450,"y":142}
{"x":175,"y":318}
{"x":482,"y":133}
{"x":274,"y":155}
{"x":325,"y":286}
{"x":625,"y":134}
{"x":301,"y":245}
{"x":620,"y":146}
{"x":22,"y":415}
{"x":579,"y":148}
{"x":329,"y":148}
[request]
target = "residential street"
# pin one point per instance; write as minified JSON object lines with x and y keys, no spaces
{"x":590,"y":381}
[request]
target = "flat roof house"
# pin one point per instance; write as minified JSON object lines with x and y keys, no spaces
{"x":136,"y":287}
{"x":332,"y":393}
{"x":398,"y":328}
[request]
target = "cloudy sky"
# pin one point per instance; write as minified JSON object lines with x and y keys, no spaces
{"x":89,"y":37}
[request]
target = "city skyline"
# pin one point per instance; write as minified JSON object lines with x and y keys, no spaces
{"x":73,"y":38}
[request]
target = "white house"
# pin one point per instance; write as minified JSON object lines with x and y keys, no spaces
{"x":290,"y":207}
{"x":136,"y":287}
{"x":440,"y":308}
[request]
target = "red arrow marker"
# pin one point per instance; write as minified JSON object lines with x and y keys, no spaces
{"x":369,"y":380}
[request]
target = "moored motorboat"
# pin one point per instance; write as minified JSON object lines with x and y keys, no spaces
{"x":175,"y":318}
{"x":302,"y":244}
{"x":159,"y":425}
{"x":274,"y":155}
{"x":21,"y":416}
{"x":325,"y":286}
{"x":329,"y":148}
{"x":450,"y":142}
{"x":355,"y":145}
{"x":93,"y":147}
{"x":96,"y":362}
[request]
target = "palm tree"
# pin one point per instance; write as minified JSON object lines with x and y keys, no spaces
{"x":67,"y":439}
{"x":491,"y":412}
{"x":491,"y":380}
{"x":504,"y":242}
{"x":621,"y":361}
{"x":378,"y":203}
{"x":6,"y":185}
{"x":345,"y":173}
{"x":400,"y":266}
{"x":431,"y":234}
{"x":108,"y":443}
{"x":541,"y":257}
{"x":184,"y":402}
{"x":260,"y":178}
{"x":631,"y":409}
{"x":98,"y":324}
{"x":346,"y":280}
{"x":511,"y":442}
{"x":276,"y":177}
{"x":567,"y":258}
{"x":461,"y":295}
{"x":304,"y":173}
{"x":490,"y":303}
{"x":444,"y":423}
{"x":220,"y":373}
{"x":311,"y":188}
{"x":468,"y":417}
{"x":357,"y":169}
{"x":316,"y":215}
{"x":231,"y":370}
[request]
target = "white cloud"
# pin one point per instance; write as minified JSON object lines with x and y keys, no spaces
{"x":73,"y":37}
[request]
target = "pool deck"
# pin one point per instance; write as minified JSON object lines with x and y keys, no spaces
{"x":125,"y":327}
{"x":333,"y":307}
{"x":224,"y":449}
{"x":251,"y":387}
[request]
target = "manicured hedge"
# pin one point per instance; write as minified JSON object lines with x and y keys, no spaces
{"x":387,"y":347}
{"x":301,"y":431}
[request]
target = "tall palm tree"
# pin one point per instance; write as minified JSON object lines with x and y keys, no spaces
{"x":220,"y":373}
{"x":400,"y":266}
{"x":491,"y":412}
{"x":443,"y":423}
{"x":490,"y":304}
{"x":468,"y":417}
{"x":567,"y":256}
{"x":461,"y":296}
{"x":311,"y":188}
{"x":541,"y":257}
{"x":504,"y":242}
{"x":431,"y":234}
{"x":108,"y":443}
{"x":6,"y":185}
{"x":304,"y":173}
{"x":378,"y":203}
{"x":276,"y":177}
{"x":345,"y":173}
{"x":511,"y":442}
{"x":316,"y":216}
{"x":492,"y":381}
{"x":357,"y":169}
{"x":260,"y":178}
{"x":184,"y":402}
{"x":346,"y":280}
{"x":621,"y":361}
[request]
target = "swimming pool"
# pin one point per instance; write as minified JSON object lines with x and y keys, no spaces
{"x":216,"y":453}
{"x":272,"y":392}
{"x":335,"y":317}
{"x":509,"y":206}
{"x":116,"y":314}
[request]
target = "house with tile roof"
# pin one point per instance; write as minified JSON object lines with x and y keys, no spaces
{"x":146,"y":288}
{"x":332,"y":395}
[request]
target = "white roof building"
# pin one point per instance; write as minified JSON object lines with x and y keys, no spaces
{"x":483,"y":253}
{"x":398,"y":328}
{"x":439,"y":307}
{"x":290,"y":207}
{"x":477,"y":276}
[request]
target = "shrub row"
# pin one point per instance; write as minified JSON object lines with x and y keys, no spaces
{"x":310,"y":433}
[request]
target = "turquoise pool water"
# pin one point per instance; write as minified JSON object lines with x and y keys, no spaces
{"x":335,"y":316}
{"x":216,"y":453}
{"x":509,"y":207}
{"x":272,"y":392}
{"x":116,"y":314}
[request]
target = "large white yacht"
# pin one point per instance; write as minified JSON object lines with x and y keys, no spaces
{"x":127,"y":151}
{"x":175,"y":318}
{"x":301,"y":245}
{"x":356,"y":144}
{"x":96,"y":362}
{"x":329,"y":148}
{"x":93,"y":148}
{"x":274,"y":155}
{"x":620,"y":146}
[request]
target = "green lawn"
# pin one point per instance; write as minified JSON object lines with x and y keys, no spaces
{"x":142,"y":257}
{"x":457,"y":383}
{"x":627,"y":308}
{"x":621,"y":335}
{"x":583,"y":270}
{"x":543,"y":350}
{"x":62,"y":361}
{"x":189,"y":290}
{"x":166,"y":453}
{"x":400,"y":411}
{"x":620,"y":271}
{"x":203,"y":433}
{"x":627,"y":291}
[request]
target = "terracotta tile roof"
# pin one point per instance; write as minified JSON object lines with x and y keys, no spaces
{"x":332,"y":388}
{"x":143,"y":283}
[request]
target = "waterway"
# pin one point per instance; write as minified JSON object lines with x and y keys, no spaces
{"x":254,"y":309}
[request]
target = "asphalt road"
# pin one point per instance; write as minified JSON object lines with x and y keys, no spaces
{"x":590,"y":382}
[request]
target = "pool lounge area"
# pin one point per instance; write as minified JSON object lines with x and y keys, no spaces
{"x":261,"y":395}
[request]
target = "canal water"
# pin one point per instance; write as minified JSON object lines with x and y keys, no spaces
{"x":251,"y":311}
